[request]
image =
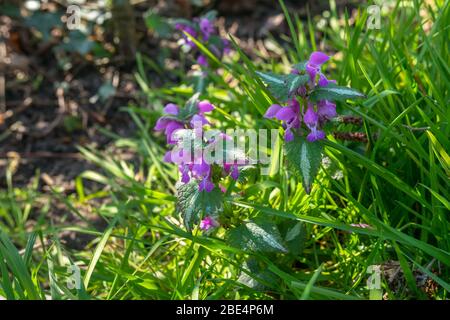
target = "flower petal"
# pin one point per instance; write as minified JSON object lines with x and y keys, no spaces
{"x":198,"y":120}
{"x":205,"y":185}
{"x":205,"y":106}
{"x":288,"y":135}
{"x":315,"y":135}
{"x":171,"y":128}
{"x":326,"y":109}
{"x":318,"y":58}
{"x":171,"y":108}
{"x":285,"y":114}
{"x":310,"y":118}
{"x":272,"y":111}
{"x":161,"y":124}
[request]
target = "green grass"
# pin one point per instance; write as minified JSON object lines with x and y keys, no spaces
{"x":397,"y":182}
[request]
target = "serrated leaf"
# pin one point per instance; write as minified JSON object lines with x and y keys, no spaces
{"x":257,"y":236}
{"x":283,"y":86}
{"x":193,"y":204}
{"x":333,"y":92}
{"x":295,"y":81}
{"x":304,"y":159}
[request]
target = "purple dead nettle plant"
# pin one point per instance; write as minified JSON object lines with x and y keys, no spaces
{"x":306,"y":107}
{"x":312,"y":115}
{"x":191,"y":152}
{"x":204,"y":31}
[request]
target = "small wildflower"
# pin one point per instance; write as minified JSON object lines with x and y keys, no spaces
{"x":208,"y":223}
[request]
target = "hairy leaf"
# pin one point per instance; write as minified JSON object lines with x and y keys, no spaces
{"x":304,"y":159}
{"x":193,"y":205}
{"x":333,"y":92}
{"x":257,"y":236}
{"x":283,"y":87}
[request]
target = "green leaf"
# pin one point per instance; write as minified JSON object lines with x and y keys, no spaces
{"x":257,"y":236}
{"x":304,"y":159}
{"x":333,"y":92}
{"x":190,"y":108}
{"x":283,"y":86}
{"x":294,"y":236}
{"x":193,"y":204}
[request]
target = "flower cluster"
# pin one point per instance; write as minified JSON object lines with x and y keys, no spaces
{"x":204,"y":31}
{"x":312,"y":115}
{"x":173,"y":120}
{"x":190,"y":159}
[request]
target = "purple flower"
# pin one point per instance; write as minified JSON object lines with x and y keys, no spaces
{"x":326,"y":109}
{"x":208,"y":223}
{"x":311,"y":119}
{"x":171,"y":108}
{"x":205,"y":185}
{"x":288,"y":135}
{"x":205,"y":106}
{"x":206,"y":27}
{"x":169,"y":126}
{"x":189,"y":30}
{"x":198,"y":119}
{"x":202,"y":60}
{"x":184,"y":169}
{"x":290,"y":115}
{"x":315,"y":135}
{"x":272,"y":111}
{"x":314,"y":63}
